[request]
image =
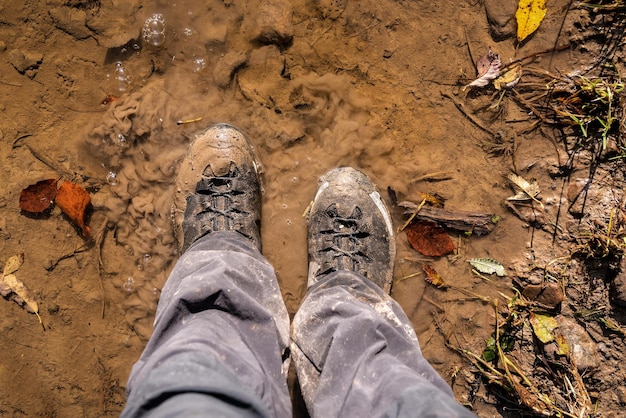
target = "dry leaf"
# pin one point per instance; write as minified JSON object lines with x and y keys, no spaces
{"x":526,"y":190}
{"x":509,"y":78}
{"x":433,"y":199}
{"x":488,"y":266}
{"x":486,"y":73}
{"x":543,"y":325}
{"x":38,"y":197}
{"x":432,"y":276}
{"x":429,"y":238}
{"x":563,"y":345}
{"x":13,"y":263}
{"x":22,"y":293}
{"x":529,"y":15}
{"x":74,"y":201}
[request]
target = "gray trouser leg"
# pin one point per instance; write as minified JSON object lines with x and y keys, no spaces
{"x":221,"y":328}
{"x":357,"y":355}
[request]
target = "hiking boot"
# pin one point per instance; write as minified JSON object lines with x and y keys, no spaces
{"x":217,"y":188}
{"x":350,"y":229}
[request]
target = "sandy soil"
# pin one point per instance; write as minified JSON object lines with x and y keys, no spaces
{"x":315,"y":85}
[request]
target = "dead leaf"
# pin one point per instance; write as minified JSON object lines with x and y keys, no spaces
{"x":429,"y":238}
{"x":488,"y":68}
{"x":433,"y":277}
{"x":488,"y":266}
{"x":74,"y":201}
{"x":509,"y":78}
{"x":433,"y":199}
{"x":526,"y":190}
{"x":529,"y":15}
{"x":13,"y":263}
{"x":543,"y":325}
{"x":563,"y":345}
{"x":38,"y":197}
{"x":22,"y":293}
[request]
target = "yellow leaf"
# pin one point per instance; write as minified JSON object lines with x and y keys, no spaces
{"x":543,"y":325}
{"x":13,"y":263}
{"x":529,"y":15}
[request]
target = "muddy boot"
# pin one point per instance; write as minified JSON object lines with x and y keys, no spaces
{"x":217,"y":188}
{"x":350,"y":229}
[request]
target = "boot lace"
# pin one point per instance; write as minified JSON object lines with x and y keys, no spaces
{"x":344,"y":240}
{"x":222,"y":209}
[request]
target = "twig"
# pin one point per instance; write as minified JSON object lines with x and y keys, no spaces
{"x":435,"y":176}
{"x":99,"y":244}
{"x":472,"y":119}
{"x":408,"y":221}
{"x":85,"y":247}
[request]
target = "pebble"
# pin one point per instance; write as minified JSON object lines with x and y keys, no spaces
{"x":224,"y":69}
{"x":273,"y":23}
{"x":25,"y":60}
{"x":549,"y":295}
{"x":71,"y":21}
{"x":583,"y":350}
{"x":501,"y":18}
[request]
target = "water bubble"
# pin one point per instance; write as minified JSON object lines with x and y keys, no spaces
{"x":139,"y":266}
{"x":294,"y":179}
{"x":187,"y":31}
{"x":121,"y":80}
{"x":198,"y":65}
{"x":112,"y":179}
{"x":129,"y":285}
{"x":284,"y":206}
{"x":121,"y":140}
{"x":153,"y":31}
{"x":147,"y":257}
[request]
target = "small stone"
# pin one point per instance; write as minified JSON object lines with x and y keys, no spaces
{"x":71,"y":21}
{"x":3,"y":46}
{"x":550,"y":295}
{"x":501,"y":18}
{"x":576,"y":195}
{"x":23,"y":61}
{"x":583,"y":350}
{"x":273,"y":23}
{"x":224,"y":69}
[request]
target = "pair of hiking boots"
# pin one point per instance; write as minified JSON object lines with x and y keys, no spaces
{"x":218,"y":189}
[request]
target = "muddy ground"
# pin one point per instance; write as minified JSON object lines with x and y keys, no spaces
{"x":315,"y":84}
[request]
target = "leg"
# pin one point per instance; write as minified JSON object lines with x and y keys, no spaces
{"x":355,"y":350}
{"x":357,"y":355}
{"x":221,"y":334}
{"x":220,"y":330}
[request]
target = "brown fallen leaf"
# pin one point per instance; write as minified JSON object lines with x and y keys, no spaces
{"x":38,"y":197}
{"x":74,"y":201}
{"x":13,"y":263}
{"x":433,"y":199}
{"x":487,"y":69}
{"x":433,"y":277}
{"x":22,"y":293}
{"x":429,"y":239}
{"x":9,"y":283}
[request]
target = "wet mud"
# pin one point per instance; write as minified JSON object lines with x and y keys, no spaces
{"x":86,"y":94}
